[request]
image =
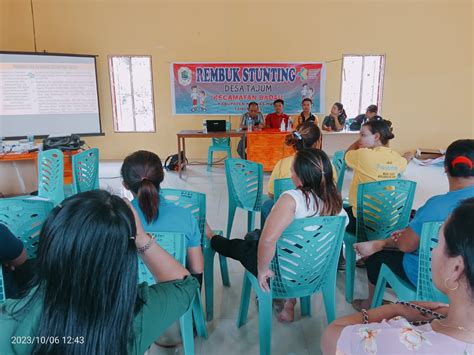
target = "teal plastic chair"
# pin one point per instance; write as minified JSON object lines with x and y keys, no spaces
{"x":339,"y":164}
{"x":305,"y":263}
{"x":219,"y":145}
{"x":383,"y":207}
{"x":425,"y":290}
{"x":245,"y":189}
{"x":85,"y":171}
{"x":174,"y":244}
{"x":196,"y":203}
{"x":51,"y":175}
{"x":282,"y":185}
{"x":24,"y":218}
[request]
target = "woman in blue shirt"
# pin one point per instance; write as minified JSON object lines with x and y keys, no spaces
{"x":142,"y":174}
{"x":403,"y":261}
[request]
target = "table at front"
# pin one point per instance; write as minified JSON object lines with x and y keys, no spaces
{"x":268,"y":146}
{"x":32,"y":157}
{"x":182,"y":135}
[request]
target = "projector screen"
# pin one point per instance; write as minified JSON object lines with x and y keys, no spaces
{"x":43,"y":94}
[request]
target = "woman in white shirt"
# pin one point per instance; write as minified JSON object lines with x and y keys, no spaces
{"x":315,"y":195}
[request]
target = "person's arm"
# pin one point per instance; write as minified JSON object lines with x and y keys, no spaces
{"x":327,"y":124}
{"x":339,"y":125}
{"x":354,"y":146}
{"x":408,"y":156}
{"x":408,"y":241}
{"x":11,"y":248}
{"x":195,"y":260}
{"x":243,"y":123}
{"x":261,"y":123}
{"x":280,"y":217}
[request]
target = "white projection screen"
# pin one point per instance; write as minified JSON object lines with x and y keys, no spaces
{"x":48,"y":94}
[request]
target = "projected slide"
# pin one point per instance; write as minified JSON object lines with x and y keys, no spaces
{"x":48,"y":94}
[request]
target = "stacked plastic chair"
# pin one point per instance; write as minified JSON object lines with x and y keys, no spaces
{"x":305,"y":263}
{"x":383,"y":207}
{"x":245,"y":189}
{"x":219,"y":145}
{"x":51,"y":175}
{"x":196,"y":203}
{"x":339,"y":164}
{"x":85,"y":171}
{"x":425,"y":290}
{"x":174,"y":244}
{"x":282,"y":185}
{"x":24,"y":218}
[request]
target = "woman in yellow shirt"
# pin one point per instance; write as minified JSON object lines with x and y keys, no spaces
{"x":372,"y":160}
{"x":308,"y":135}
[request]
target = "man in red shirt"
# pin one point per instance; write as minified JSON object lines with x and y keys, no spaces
{"x":273,"y":120}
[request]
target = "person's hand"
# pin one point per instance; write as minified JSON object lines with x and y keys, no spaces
{"x":409,"y":156}
{"x":365,"y":249}
{"x":413,"y":315}
{"x":263,"y":277}
{"x":395,"y":236}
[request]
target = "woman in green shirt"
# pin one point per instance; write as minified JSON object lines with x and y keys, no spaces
{"x":85,"y":297}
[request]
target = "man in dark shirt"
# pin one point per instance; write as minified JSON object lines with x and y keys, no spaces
{"x":370,"y":114}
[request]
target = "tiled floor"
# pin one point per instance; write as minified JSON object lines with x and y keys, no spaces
{"x":300,"y":337}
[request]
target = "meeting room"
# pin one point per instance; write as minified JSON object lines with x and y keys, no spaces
{"x":205,"y":177}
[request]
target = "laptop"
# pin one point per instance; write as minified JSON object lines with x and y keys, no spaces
{"x":215,"y":125}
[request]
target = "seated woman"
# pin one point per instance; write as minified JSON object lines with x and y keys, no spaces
{"x":305,"y":115}
{"x":315,"y":195}
{"x":142,"y":174}
{"x":86,"y":298}
{"x":336,"y":120}
{"x":17,"y":271}
{"x":389,"y":329}
{"x":402,"y":256}
{"x":372,"y":160}
{"x":308,"y":135}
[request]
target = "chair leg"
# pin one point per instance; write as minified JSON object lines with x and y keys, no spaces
{"x":230,"y":218}
{"x":265,"y":321}
{"x":251,"y":221}
{"x":224,"y":271}
{"x":349,"y":241}
{"x":329,"y":296}
{"x":379,"y":290}
{"x":198,"y":316}
{"x":209,"y":281}
{"x":244,"y":301}
{"x":209,"y":160}
{"x":305,"y":306}
{"x":186,"y":326}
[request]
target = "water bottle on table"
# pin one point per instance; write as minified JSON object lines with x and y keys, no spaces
{"x":249,"y":125}
{"x":289,"y":127}
{"x":204,"y":126}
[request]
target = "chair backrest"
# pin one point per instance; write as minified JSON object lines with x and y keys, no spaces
{"x":2,"y":287}
{"x":171,"y":242}
{"x":244,"y":183}
{"x":25,"y":218}
{"x":195,"y":202}
{"x":339,"y":164}
{"x":383,"y":207}
{"x":51,"y":175}
{"x":282,"y":185}
{"x":306,"y":256}
{"x":426,"y":290}
{"x":85,"y":171}
{"x":219,"y":142}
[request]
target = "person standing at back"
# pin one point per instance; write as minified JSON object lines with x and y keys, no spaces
{"x":274,"y":119}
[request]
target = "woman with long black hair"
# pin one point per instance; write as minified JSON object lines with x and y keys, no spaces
{"x":85,"y":298}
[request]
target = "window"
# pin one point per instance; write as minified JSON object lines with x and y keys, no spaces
{"x":362,"y":82}
{"x":131,"y":86}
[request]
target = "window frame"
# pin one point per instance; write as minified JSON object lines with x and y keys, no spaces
{"x":113,"y":98}
{"x":381,"y":79}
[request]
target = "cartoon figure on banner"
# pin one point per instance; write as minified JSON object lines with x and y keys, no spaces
{"x":202,"y":100}
{"x":194,"y":97}
{"x":310,"y":93}
{"x":304,"y":91}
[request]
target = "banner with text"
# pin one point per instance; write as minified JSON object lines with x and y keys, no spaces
{"x":227,"y":88}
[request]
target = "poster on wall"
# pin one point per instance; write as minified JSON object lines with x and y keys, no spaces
{"x":227,"y":88}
